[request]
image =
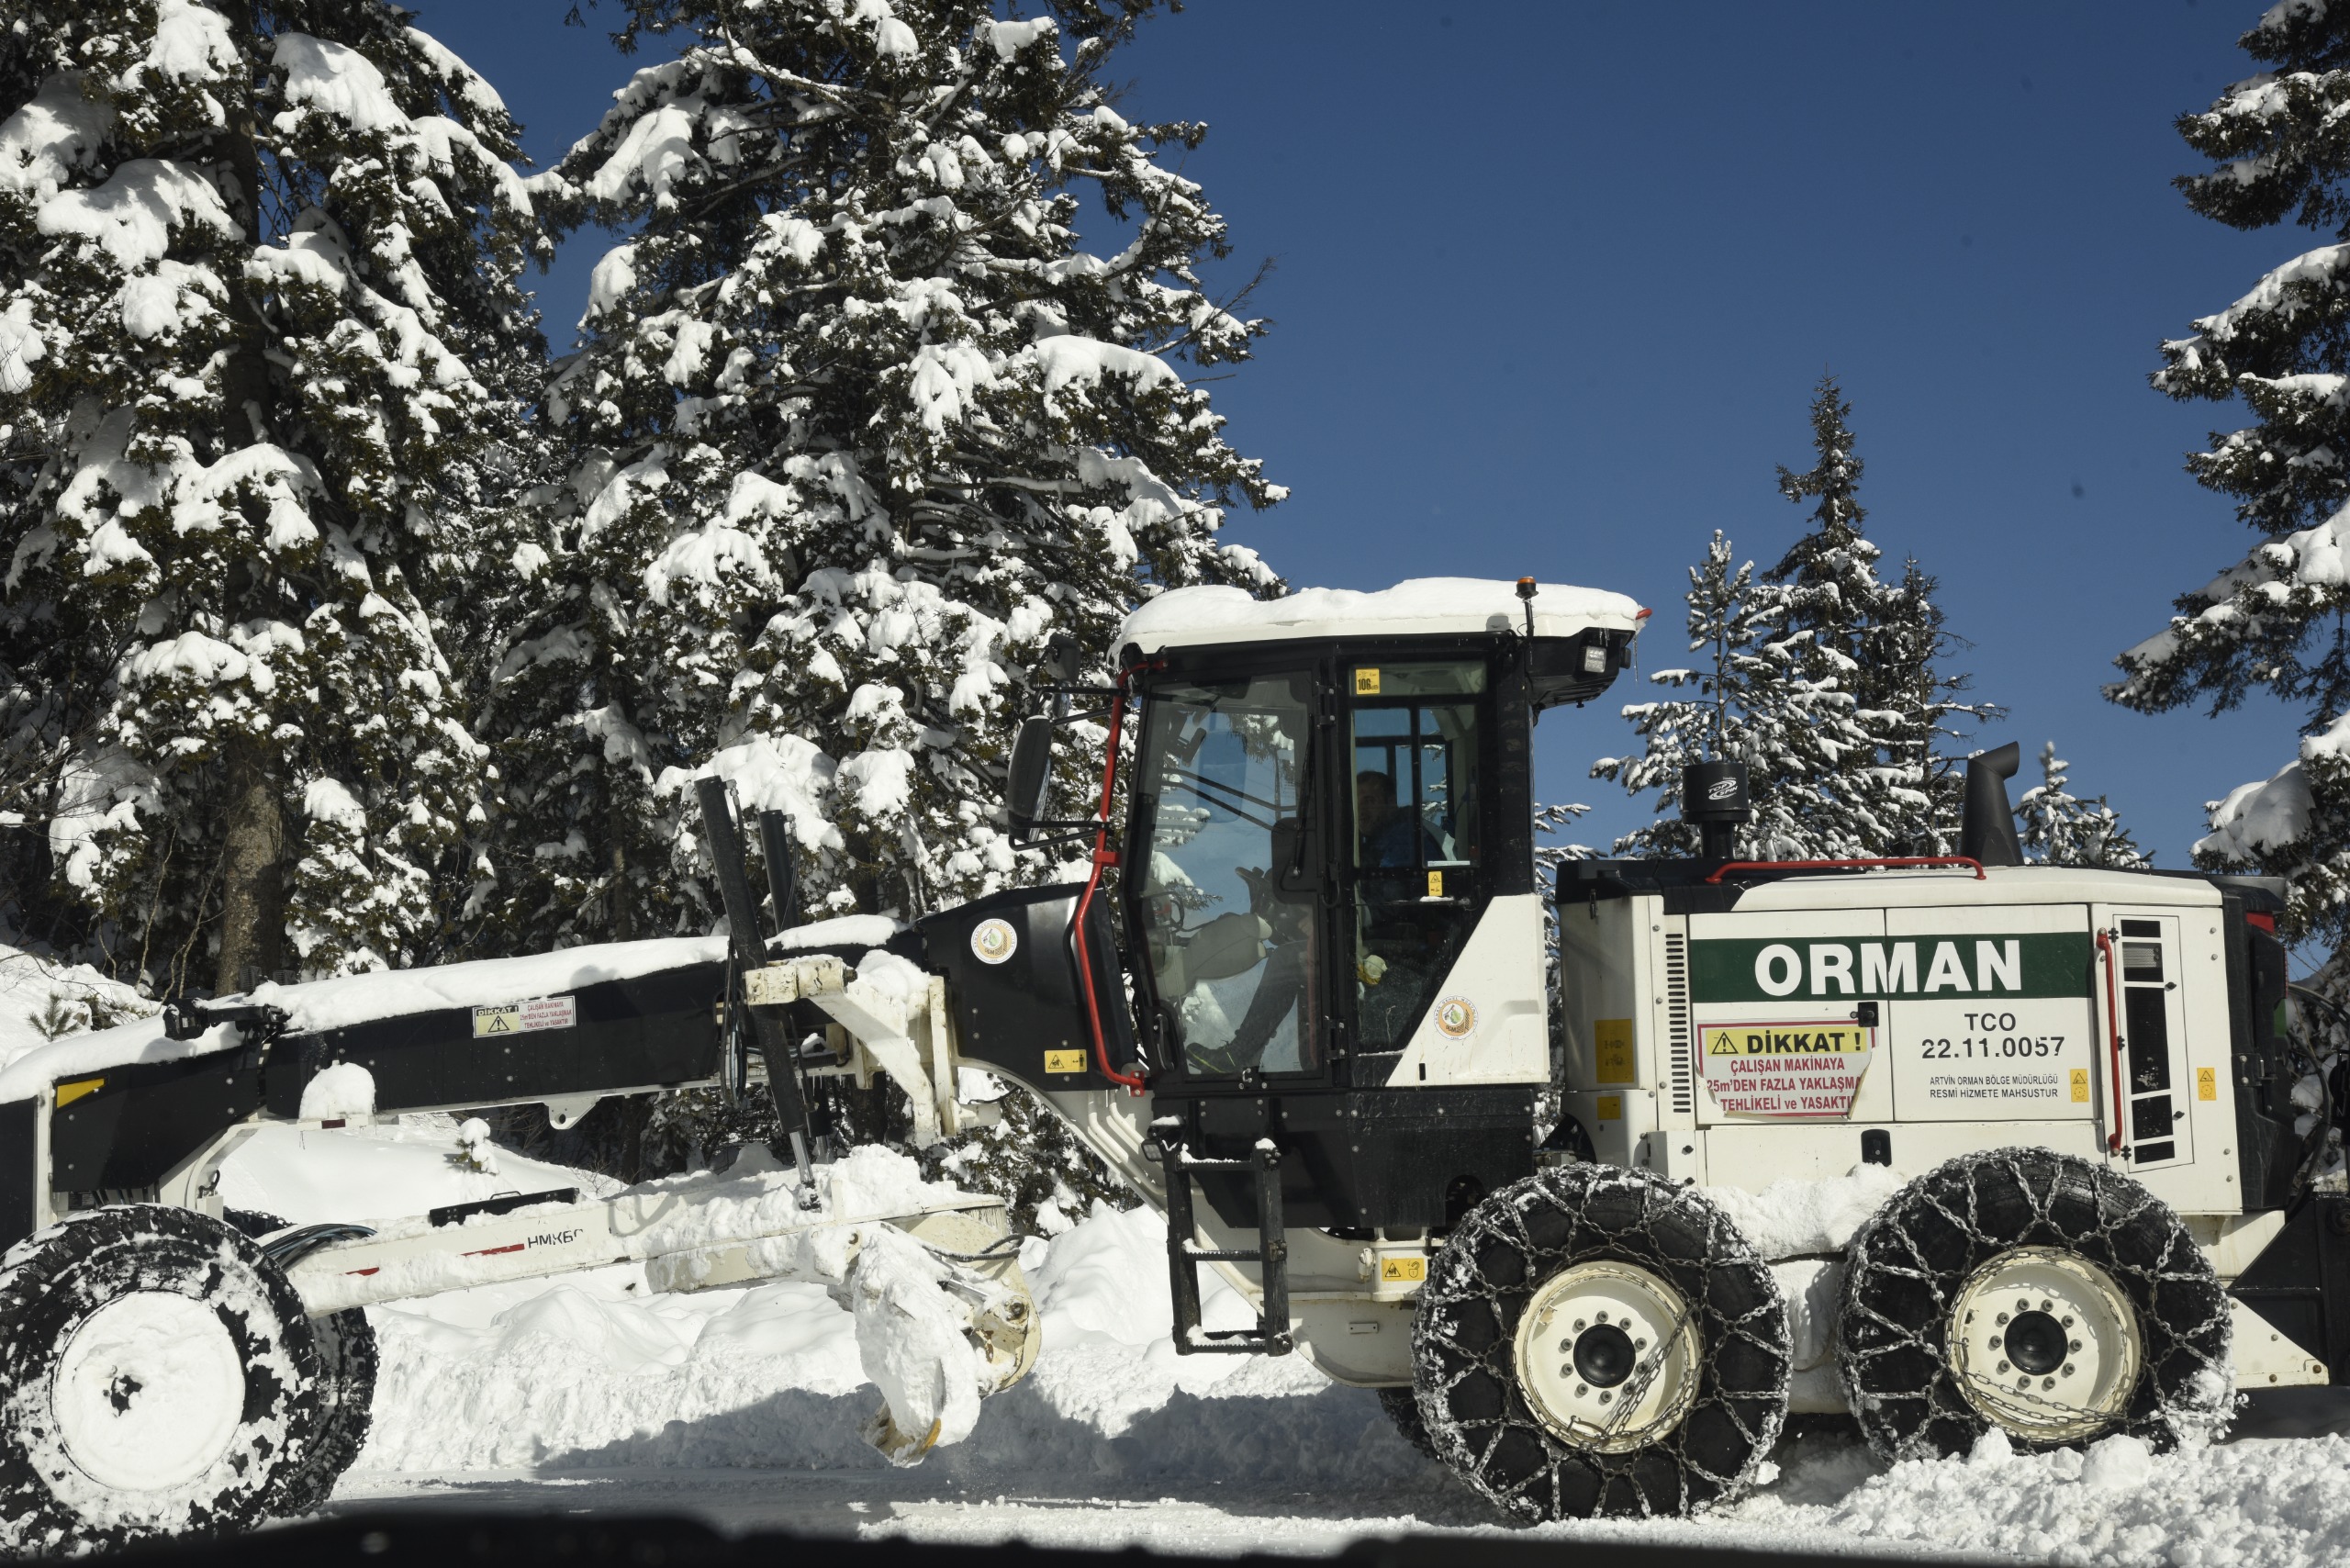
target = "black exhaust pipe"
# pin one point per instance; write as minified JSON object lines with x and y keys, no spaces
{"x":1716,"y":797}
{"x":1986,"y":832}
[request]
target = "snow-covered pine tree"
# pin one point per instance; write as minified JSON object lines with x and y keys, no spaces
{"x":2059,"y":828}
{"x":860,"y":420}
{"x":2275,"y":620}
{"x":1754,"y":703}
{"x":1882,"y":642}
{"x":263,"y":334}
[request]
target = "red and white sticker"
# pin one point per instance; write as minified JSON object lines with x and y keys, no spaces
{"x":1787,"y":1069}
{"x":526,"y":1017}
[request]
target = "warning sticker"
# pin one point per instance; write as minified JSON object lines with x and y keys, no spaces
{"x":1393,"y":1269}
{"x":1798,"y":1068}
{"x":526,"y":1017}
{"x":1064,"y":1061}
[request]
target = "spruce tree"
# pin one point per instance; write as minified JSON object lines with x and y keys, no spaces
{"x":2274,"y":620}
{"x":262,"y":337}
{"x":1753,"y":702}
{"x":1881,"y":642}
{"x":859,"y":421}
{"x":2059,"y":828}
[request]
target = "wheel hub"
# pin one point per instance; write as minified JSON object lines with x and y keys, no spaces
{"x":148,"y":1392}
{"x":2044,"y":1344}
{"x":1607,"y":1355}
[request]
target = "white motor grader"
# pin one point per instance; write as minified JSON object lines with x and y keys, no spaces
{"x":1300,"y":1005}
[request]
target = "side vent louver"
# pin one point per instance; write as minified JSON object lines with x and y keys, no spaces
{"x":1677,"y":1036}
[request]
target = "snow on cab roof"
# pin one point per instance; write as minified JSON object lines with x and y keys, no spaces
{"x":1423,"y":606}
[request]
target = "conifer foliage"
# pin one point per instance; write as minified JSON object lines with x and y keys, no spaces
{"x":1754,"y":701}
{"x":858,"y":421}
{"x":261,"y":332}
{"x":2059,"y":828}
{"x":2274,"y":620}
{"x":1882,"y":643}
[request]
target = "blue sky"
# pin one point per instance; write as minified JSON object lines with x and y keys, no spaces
{"x":1553,"y":283}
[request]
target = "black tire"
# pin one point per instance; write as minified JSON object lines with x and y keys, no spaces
{"x":1511,"y":1256}
{"x":347,"y":1367}
{"x":1909,"y":1274}
{"x":157,"y":1380}
{"x":1403,"y":1407}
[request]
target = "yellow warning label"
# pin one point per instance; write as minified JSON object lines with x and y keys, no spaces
{"x":69,"y":1092}
{"x":497,"y":1021}
{"x":1436,"y":884}
{"x":1611,"y":1107}
{"x":1064,"y":1061}
{"x":1721,"y":1044}
{"x":1612,"y":1038}
{"x":2080,"y":1086}
{"x":1366,"y":683}
{"x":2206,"y":1084}
{"x":1393,"y":1269}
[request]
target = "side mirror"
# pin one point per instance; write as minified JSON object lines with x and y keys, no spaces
{"x":1064,"y":658}
{"x":1031,"y":760}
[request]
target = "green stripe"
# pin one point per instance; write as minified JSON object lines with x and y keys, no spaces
{"x":2047,"y":963}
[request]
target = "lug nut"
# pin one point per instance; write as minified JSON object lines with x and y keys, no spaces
{"x":1606,"y":1396}
{"x":2047,"y":1382}
{"x":2001,"y":1318}
{"x":1581,"y":1324}
{"x":1993,"y":1341}
{"x":2068,"y":1368}
{"x":1602,"y":1317}
{"x":1581,"y":1389}
{"x":2004,"y":1367}
{"x":2065,"y":1322}
{"x":2047,"y":1306}
{"x":2074,"y":1346}
{"x":2023,"y":1306}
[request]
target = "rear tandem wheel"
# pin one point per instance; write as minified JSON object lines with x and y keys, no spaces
{"x":347,"y":1365}
{"x":1594,"y":1340}
{"x":2037,"y":1293}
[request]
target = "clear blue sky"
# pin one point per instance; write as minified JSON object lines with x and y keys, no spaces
{"x":1554,"y":282}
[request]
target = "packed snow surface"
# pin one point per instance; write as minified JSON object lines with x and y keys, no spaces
{"x":1458,"y":605}
{"x":745,"y":1407}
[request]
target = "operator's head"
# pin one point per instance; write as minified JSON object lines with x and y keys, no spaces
{"x":1374,"y":798}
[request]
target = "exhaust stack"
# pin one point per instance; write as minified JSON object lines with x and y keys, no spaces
{"x":1986,"y":832}
{"x":1714,"y":798}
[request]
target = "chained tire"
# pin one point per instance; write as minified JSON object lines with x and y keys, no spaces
{"x":157,"y":1380}
{"x":346,"y":1384}
{"x":1403,"y":1407}
{"x":1597,"y":1341}
{"x":2036,"y":1293}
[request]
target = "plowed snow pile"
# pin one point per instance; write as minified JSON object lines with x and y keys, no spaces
{"x":1115,"y":1439}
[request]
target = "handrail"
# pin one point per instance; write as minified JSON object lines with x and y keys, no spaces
{"x":1952,"y":860}
{"x":1102,"y":855}
{"x":2113,"y":1029}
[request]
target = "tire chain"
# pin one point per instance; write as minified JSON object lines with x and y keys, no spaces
{"x":1464,"y":1334}
{"x":1907,"y":1263}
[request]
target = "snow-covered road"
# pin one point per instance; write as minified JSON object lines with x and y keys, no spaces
{"x":741,"y":1407}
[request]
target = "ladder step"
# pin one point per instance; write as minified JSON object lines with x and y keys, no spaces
{"x":1206,"y":1255}
{"x":1191,"y":1163}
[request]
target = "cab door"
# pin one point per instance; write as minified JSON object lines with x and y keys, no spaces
{"x":2143,"y":1065}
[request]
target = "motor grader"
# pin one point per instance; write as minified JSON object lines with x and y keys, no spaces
{"x":1300,"y":1002}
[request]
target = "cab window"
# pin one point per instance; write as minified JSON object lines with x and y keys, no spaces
{"x":1415,"y":858}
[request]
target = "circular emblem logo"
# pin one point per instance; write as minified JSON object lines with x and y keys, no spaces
{"x":1456,"y":1017}
{"x":993,"y":941}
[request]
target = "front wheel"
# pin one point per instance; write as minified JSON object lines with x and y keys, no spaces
{"x":1601,"y":1341}
{"x":157,"y":1378}
{"x":2036,"y":1293}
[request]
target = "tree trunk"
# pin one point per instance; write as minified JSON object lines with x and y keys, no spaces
{"x":253,"y":904}
{"x":252,"y":875}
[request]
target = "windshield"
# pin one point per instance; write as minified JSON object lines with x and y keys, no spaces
{"x":1225,"y":899}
